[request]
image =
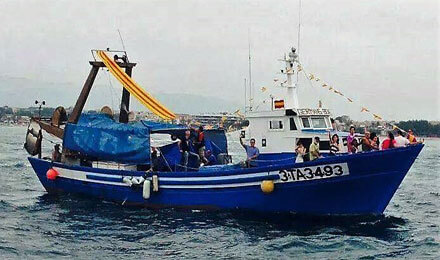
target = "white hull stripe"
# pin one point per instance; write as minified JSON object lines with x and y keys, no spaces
{"x":209,"y":186}
{"x":82,"y":176}
{"x":218,"y":178}
{"x":183,"y":179}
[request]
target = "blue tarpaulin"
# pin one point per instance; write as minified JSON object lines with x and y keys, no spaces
{"x":97,"y":135}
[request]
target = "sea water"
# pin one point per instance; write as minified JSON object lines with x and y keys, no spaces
{"x":34,"y":224}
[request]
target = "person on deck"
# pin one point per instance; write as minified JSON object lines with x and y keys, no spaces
{"x":314,"y":149}
{"x":389,"y":142}
{"x":200,"y":144}
{"x":355,"y":146}
{"x":300,"y":151}
{"x":185,"y":146}
{"x":56,"y":154}
{"x":211,"y":158}
{"x":367,"y":143}
{"x":154,"y":158}
{"x":400,"y":140}
{"x":350,"y":139}
{"x":374,"y":141}
{"x":335,"y":146}
{"x":411,"y":137}
{"x":252,"y":151}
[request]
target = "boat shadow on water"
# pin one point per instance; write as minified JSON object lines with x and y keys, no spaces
{"x":91,"y":215}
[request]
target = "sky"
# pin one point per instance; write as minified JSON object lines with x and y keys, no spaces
{"x":382,"y":54}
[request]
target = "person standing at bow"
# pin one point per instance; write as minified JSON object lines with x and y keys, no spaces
{"x":411,"y":137}
{"x":400,"y":140}
{"x":389,"y":142}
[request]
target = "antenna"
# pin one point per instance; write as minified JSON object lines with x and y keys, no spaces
{"x":299,"y":37}
{"x":245,"y":96}
{"x":299,"y":25}
{"x":250,"y":71}
{"x":122,"y":41}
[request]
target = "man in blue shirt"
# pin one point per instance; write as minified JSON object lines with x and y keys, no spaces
{"x":252,"y":152}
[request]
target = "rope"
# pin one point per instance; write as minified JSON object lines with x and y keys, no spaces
{"x":111,"y":89}
{"x":187,"y":167}
{"x":279,"y":160}
{"x":52,"y":142}
{"x":165,"y":159}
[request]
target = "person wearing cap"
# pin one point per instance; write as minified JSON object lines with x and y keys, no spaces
{"x":411,"y":137}
{"x":314,"y":149}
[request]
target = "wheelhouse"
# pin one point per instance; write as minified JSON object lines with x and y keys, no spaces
{"x":279,"y":130}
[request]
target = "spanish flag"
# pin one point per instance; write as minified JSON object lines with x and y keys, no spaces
{"x":279,"y":104}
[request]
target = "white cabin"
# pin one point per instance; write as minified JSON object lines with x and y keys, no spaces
{"x":279,"y":129}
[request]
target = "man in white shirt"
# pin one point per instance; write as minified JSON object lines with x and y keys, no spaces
{"x":400,"y":140}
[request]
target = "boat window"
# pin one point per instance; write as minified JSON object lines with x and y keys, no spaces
{"x":318,"y":122}
{"x":292,"y":124}
{"x":275,"y":124}
{"x":327,"y":120}
{"x":306,"y":122}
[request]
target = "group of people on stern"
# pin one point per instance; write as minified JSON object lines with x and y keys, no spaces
{"x":369,"y":142}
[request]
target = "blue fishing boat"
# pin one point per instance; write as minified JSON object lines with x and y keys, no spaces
{"x":113,"y":160}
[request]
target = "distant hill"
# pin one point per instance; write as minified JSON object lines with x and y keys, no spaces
{"x":194,"y":104}
{"x":22,"y":92}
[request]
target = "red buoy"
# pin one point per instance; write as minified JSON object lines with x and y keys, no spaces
{"x":51,"y":174}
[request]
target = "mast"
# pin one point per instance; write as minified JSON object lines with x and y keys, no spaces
{"x":245,"y":96}
{"x":291,"y":61}
{"x":250,"y":71}
{"x":292,"y":91}
{"x":299,"y":36}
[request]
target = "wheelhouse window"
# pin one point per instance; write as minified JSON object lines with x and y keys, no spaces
{"x":276,"y":124}
{"x":292,"y":124}
{"x":327,"y":120}
{"x":318,"y":122}
{"x":305,"y":122}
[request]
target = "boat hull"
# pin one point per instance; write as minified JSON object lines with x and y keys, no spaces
{"x":370,"y":181}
